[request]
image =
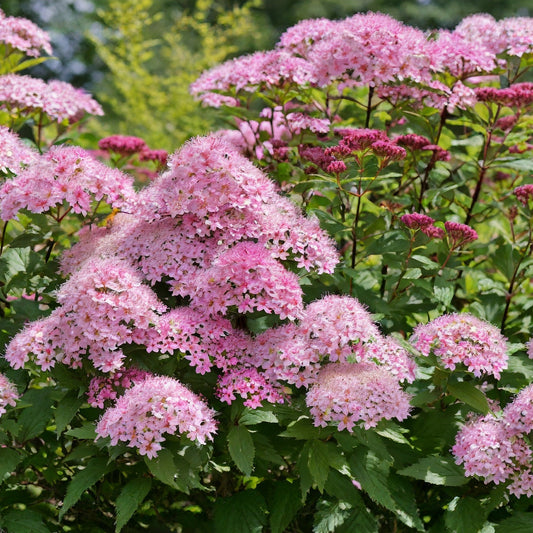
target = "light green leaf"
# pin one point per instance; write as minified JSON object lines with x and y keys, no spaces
{"x":129,"y":500}
{"x":241,"y":448}
{"x":255,"y":416}
{"x":437,"y":471}
{"x":95,"y":470}
{"x":87,"y":431}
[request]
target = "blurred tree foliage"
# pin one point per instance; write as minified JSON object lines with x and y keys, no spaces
{"x":153,"y":50}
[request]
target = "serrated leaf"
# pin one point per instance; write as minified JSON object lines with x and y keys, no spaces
{"x":437,"y":471}
{"x":243,"y":512}
{"x":34,"y":419}
{"x":24,"y":521}
{"x":304,"y":429}
{"x":256,"y":416}
{"x":87,"y":431}
{"x":391,"y":491}
{"x":9,"y":459}
{"x":330,"y":516}
{"x":129,"y":499}
{"x":465,"y":515}
{"x":468,"y":393}
{"x":94,"y":471}
{"x":163,"y":467}
{"x":66,"y":410}
{"x":318,"y":463}
{"x":241,"y":448}
{"x":518,"y":523}
{"x":284,"y":505}
{"x":358,"y":520}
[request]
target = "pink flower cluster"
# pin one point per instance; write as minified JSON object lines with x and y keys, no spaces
{"x":64,"y":174}
{"x":105,"y":388}
{"x":332,"y":329}
{"x":103,"y":306}
{"x":463,"y":339}
{"x":59,"y":100}
{"x":122,"y":144}
{"x":349,"y":393}
{"x":23,"y":35}
{"x":524,"y":193}
{"x":8,"y":394}
{"x":153,"y":407}
{"x":496,"y":448}
{"x":424,"y":223}
{"x":518,"y":95}
{"x":14,"y":154}
{"x":250,"y":385}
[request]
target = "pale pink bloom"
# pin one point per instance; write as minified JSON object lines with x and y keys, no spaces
{"x":23,"y":35}
{"x":388,"y":353}
{"x":105,"y":388}
{"x":463,"y":339}
{"x":65,"y":174}
{"x":249,"y":385}
{"x":303,"y":35}
{"x":8,"y":394}
{"x":153,"y":407}
{"x":14,"y":154}
{"x":529,"y":347}
{"x":352,"y":393}
{"x":485,"y":448}
{"x":59,"y":100}
{"x":518,"y":415}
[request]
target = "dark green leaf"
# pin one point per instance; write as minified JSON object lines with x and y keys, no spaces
{"x":66,"y":409}
{"x":34,"y":419}
{"x":131,"y":496}
{"x":468,"y":393}
{"x":87,"y":431}
{"x":24,"y":521}
{"x":436,"y":470}
{"x":9,"y":459}
{"x":465,"y":515}
{"x":163,"y":467}
{"x":241,"y":448}
{"x":243,"y":512}
{"x":330,"y":516}
{"x":284,"y":505}
{"x":518,"y":523}
{"x":94,"y":471}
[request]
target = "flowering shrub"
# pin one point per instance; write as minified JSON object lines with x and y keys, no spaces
{"x":319,"y":320}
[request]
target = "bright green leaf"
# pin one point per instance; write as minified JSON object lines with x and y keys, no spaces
{"x":437,"y":471}
{"x":468,"y":393}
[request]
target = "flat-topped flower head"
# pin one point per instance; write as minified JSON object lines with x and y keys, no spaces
{"x":248,"y":384}
{"x":459,"y":234}
{"x":65,"y":174}
{"x":519,"y":95}
{"x":14,"y":154}
{"x":417,"y":220}
{"x":58,"y":100}
{"x":106,"y":388}
{"x":21,"y":34}
{"x":350,"y":394}
{"x":8,"y":394}
{"x":153,"y":407}
{"x":485,"y":448}
{"x":518,"y":415}
{"x":463,"y":339}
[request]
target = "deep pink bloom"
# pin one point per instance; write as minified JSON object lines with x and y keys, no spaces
{"x":524,"y":193}
{"x":105,"y":388}
{"x":417,"y":220}
{"x":459,"y":234}
{"x":122,"y":144}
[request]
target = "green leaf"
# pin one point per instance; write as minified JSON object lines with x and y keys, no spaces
{"x":34,"y":419}
{"x":66,"y":409}
{"x":243,"y":512}
{"x":255,"y":416}
{"x":304,"y":429}
{"x":284,"y":505}
{"x":95,"y":470}
{"x":163,"y":467}
{"x":518,"y":523}
{"x":129,"y":500}
{"x":391,"y":491}
{"x":24,"y":521}
{"x":465,"y":515}
{"x":437,"y":471}
{"x":330,"y":516}
{"x":241,"y":448}
{"x":358,"y":520}
{"x":322,"y":456}
{"x":9,"y":459}
{"x":468,"y":393}
{"x":87,"y":431}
